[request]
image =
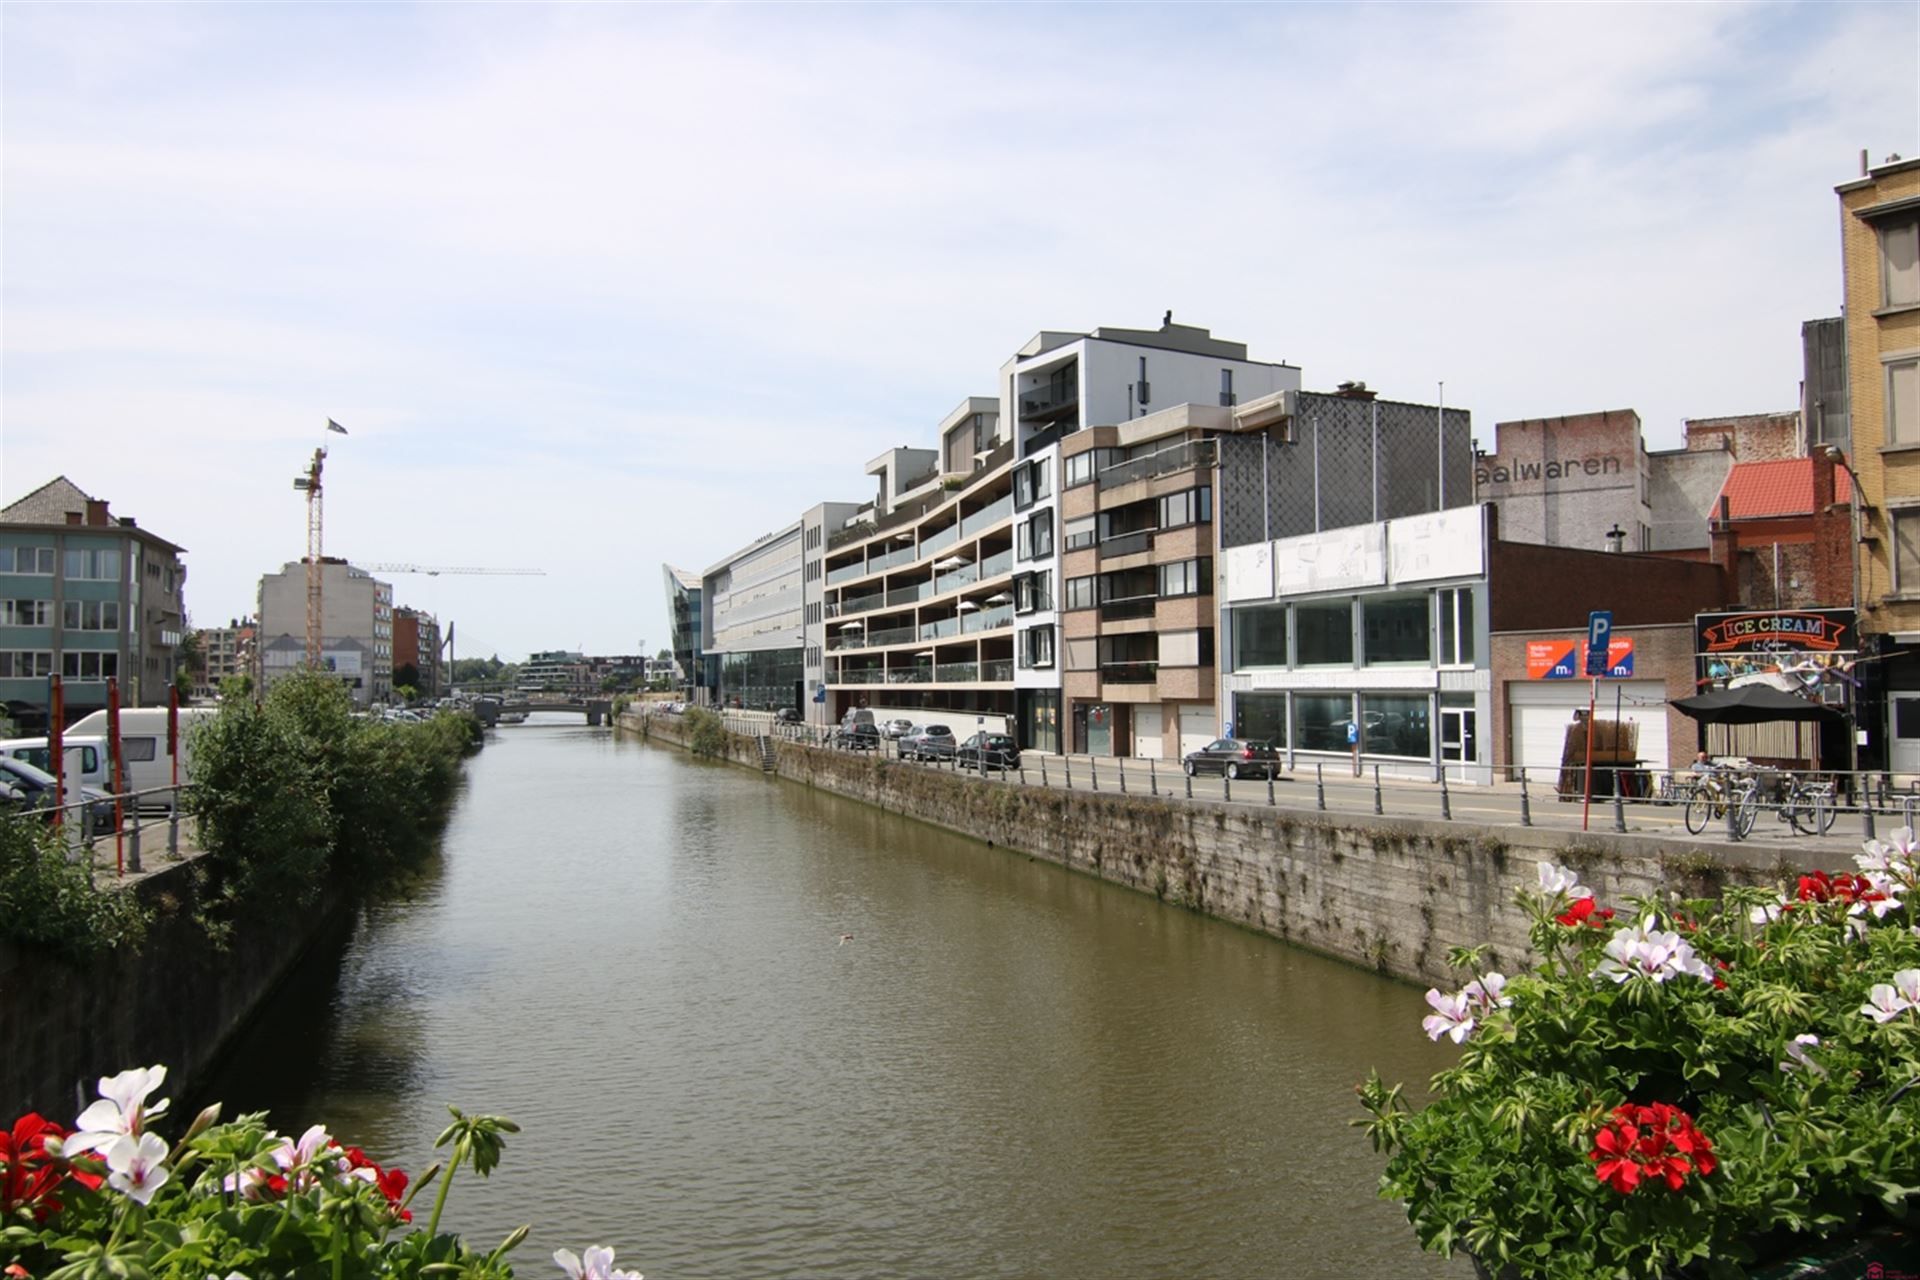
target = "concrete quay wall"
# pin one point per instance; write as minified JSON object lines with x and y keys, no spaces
{"x":1391,"y":894}
{"x":174,"y":1000}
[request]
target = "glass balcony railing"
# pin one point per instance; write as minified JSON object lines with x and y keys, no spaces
{"x":1127,"y":543}
{"x":991,"y":514}
{"x":995,"y":565}
{"x":940,"y":630}
{"x":911,"y":675}
{"x":1196,"y":453}
{"x":940,"y":541}
{"x":957,"y":672}
{"x":998,"y":670}
{"x":857,"y":604}
{"x":987,"y":619}
{"x":892,"y":635}
{"x":858,"y":675}
{"x":909,"y":595}
{"x":1119,"y":610}
{"x":958,"y":578}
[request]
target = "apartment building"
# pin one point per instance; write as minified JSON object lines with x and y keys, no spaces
{"x":818,"y":524}
{"x":416,"y":651}
{"x":87,"y":596}
{"x":225,"y":653}
{"x":1880,"y":259}
{"x":752,"y":623}
{"x":552,"y":671}
{"x":356,"y":625}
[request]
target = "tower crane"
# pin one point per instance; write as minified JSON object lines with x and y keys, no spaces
{"x":309,"y":484}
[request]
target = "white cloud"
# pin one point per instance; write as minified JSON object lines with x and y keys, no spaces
{"x":600,"y":287}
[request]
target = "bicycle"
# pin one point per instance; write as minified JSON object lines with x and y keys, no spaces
{"x":1808,"y":806}
{"x":1714,"y":795}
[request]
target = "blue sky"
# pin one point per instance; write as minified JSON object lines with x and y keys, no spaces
{"x":596,"y":287}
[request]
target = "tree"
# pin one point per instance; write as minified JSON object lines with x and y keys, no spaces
{"x":665,"y":655}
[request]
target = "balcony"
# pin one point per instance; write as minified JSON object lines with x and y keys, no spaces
{"x":957,"y":672}
{"x":987,"y":619}
{"x":940,"y":541}
{"x":1050,"y":401}
{"x":995,"y":565}
{"x":997,"y":670}
{"x":1195,"y":453}
{"x":1127,"y":544}
{"x":1129,"y":672}
{"x":958,"y":578}
{"x":847,"y":573}
{"x":854,"y":604}
{"x":991,"y":514}
{"x":858,"y":675}
{"x":911,"y":675}
{"x":940,"y":630}
{"x":910,"y":595}
{"x":1132,"y":607}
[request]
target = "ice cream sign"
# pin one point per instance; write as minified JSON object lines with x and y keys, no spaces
{"x":1563,"y":659}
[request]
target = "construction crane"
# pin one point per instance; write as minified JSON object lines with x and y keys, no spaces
{"x":434,"y":571}
{"x":309,"y":484}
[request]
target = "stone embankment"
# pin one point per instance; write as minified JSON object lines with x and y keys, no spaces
{"x":1392,"y":894}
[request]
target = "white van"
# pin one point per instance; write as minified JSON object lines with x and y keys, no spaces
{"x":143,"y":743}
{"x":86,"y":759}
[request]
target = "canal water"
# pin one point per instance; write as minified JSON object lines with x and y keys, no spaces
{"x":1006,"y":1069}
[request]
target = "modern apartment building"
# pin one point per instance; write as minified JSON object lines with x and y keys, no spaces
{"x":356,"y":624}
{"x":552,"y":671}
{"x":752,"y":626}
{"x":1880,"y":256}
{"x":685,"y":619}
{"x":816,"y":526}
{"x":87,"y":596}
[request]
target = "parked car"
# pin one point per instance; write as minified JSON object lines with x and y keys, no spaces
{"x":26,"y":788}
{"x":858,"y":737}
{"x":928,"y":742}
{"x":787,"y":715}
{"x":897,"y":728}
{"x":1236,"y":758}
{"x":983,"y":750}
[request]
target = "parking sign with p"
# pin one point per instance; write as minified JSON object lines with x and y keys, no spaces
{"x":1599,"y":632}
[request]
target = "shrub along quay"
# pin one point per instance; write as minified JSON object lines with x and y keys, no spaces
{"x":1393,"y":894}
{"x":299,"y":806}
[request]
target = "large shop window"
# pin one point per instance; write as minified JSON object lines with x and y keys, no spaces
{"x":1396,"y":724}
{"x":1398,"y":629}
{"x":1324,"y":634}
{"x":1260,"y":637}
{"x":1320,"y":721}
{"x":1456,"y":626}
{"x":1261,"y":717}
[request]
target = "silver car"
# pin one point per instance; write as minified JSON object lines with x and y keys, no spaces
{"x":928,"y":742}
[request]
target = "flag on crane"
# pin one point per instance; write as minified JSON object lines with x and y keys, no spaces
{"x":334,"y":426}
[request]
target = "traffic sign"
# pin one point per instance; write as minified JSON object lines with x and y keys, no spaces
{"x":1599,"y":630}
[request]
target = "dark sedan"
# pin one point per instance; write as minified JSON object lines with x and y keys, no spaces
{"x":1236,"y":758}
{"x":858,"y":737}
{"x":988,"y":751}
{"x":928,"y":742}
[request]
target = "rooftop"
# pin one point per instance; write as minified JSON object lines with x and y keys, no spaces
{"x":1755,"y":490}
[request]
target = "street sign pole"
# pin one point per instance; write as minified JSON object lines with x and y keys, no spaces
{"x":1599,"y":646}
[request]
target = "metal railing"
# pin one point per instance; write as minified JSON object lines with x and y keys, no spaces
{"x":126,"y":823}
{"x":1127,"y":544}
{"x":1131,"y":607}
{"x":1130,"y":672}
{"x":1814,"y":818}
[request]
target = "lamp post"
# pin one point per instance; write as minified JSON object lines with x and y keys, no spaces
{"x":1839,"y":458}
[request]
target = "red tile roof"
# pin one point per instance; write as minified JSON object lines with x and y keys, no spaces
{"x":1758,"y":489}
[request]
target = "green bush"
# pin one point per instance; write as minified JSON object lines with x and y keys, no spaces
{"x":706,"y":732}
{"x":48,"y":901}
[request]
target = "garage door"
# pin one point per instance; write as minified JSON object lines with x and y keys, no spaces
{"x":1539,"y":711}
{"x":1198,"y":727}
{"x":1146,"y":732}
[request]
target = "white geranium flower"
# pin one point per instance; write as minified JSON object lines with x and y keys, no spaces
{"x":137,"y":1166}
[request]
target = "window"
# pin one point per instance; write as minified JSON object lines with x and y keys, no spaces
{"x":1040,"y":535}
{"x":1195,"y":506}
{"x":1900,"y":262}
{"x":1260,"y":637}
{"x":132,"y":749}
{"x":1145,"y":392}
{"x":1226,"y":388}
{"x":1261,"y":717}
{"x":1323,"y":634}
{"x":1080,"y":533}
{"x":1398,"y":629}
{"x":91,"y":615}
{"x":1079,"y":469}
{"x":32,"y":560}
{"x":1456,"y":626}
{"x":1395,"y":724}
{"x":1036,"y":647}
{"x":1187,"y":578}
{"x":25,"y":664}
{"x":99,"y":565}
{"x":1033,"y":591}
{"x":89,"y":665}
{"x":982,"y":433}
{"x":1320,"y":721}
{"x":1080,"y":594}
{"x":1903,"y":402}
{"x":1029,"y":483}
{"x":26,"y":613}
{"x":1906,"y":549}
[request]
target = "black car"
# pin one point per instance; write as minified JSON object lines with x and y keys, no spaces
{"x":1236,"y":758}
{"x":787,"y":715}
{"x":988,"y":750}
{"x":928,"y":742}
{"x":858,"y":737}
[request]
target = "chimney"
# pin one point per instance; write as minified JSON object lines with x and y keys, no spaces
{"x":97,"y":512}
{"x":1355,"y":390}
{"x":1823,"y":486}
{"x":1720,"y":535}
{"x":74,"y":517}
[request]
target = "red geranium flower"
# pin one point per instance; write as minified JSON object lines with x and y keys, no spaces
{"x":1645,"y":1144}
{"x":28,"y":1174}
{"x":1583,"y":912}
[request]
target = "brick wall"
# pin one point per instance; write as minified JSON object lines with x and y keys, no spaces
{"x":1537,"y":588}
{"x":1749,"y":437}
{"x":1663,"y":653}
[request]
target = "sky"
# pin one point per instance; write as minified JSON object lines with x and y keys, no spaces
{"x":595,"y":288}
